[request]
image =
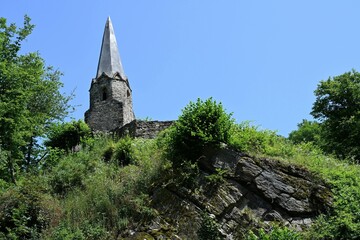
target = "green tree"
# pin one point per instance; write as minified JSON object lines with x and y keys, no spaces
{"x":308,"y":131}
{"x":68,"y":135}
{"x":337,"y":107}
{"x":29,"y":100}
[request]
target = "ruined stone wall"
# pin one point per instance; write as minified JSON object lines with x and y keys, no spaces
{"x":143,"y":129}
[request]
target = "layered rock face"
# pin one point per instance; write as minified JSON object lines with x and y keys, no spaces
{"x":255,"y":192}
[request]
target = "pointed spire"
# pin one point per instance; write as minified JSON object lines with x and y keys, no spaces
{"x":109,"y":60}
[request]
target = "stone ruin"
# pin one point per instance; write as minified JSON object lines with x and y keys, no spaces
{"x":111,"y":108}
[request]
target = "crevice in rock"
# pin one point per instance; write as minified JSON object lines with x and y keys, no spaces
{"x":253,"y":191}
{"x":186,"y":197}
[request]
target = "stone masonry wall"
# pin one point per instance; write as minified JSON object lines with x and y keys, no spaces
{"x":110,"y":104}
{"x":96,"y":119}
{"x":143,"y":129}
{"x":122,"y":92}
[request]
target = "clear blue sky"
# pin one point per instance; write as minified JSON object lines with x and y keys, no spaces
{"x":261,"y":59}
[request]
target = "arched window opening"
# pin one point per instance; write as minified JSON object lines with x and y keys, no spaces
{"x":104,"y":94}
{"x":128,"y":93}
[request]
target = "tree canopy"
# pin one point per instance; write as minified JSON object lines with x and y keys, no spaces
{"x":68,"y":135}
{"x":30,"y":100}
{"x":337,"y":110}
{"x":308,"y":131}
{"x":337,"y":107}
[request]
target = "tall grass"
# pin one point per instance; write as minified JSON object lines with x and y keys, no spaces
{"x":104,"y":196}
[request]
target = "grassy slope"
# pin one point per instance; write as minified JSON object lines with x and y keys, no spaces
{"x":343,"y":222}
{"x":92,"y":195}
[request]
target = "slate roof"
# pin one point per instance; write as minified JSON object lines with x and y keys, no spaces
{"x":109,"y":60}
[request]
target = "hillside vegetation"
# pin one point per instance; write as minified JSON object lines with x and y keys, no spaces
{"x":104,"y":190}
{"x":60,"y":181}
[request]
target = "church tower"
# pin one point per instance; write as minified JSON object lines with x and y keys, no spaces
{"x":110,"y":92}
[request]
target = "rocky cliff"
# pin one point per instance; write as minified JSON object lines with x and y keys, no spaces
{"x":250,"y":193}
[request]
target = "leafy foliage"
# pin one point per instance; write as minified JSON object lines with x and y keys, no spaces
{"x":72,"y":169}
{"x":83,"y":232}
{"x":79,"y":209}
{"x":343,"y":222}
{"x":122,"y":201}
{"x":216,"y":178}
{"x":202,"y":123}
{"x":248,"y":138}
{"x":27,"y":210}
{"x":337,"y":107}
{"x":104,"y":189}
{"x":67,"y":135}
{"x":121,"y":153}
{"x":308,"y":131}
{"x":208,"y":229}
{"x":29,"y":100}
{"x":69,"y":174}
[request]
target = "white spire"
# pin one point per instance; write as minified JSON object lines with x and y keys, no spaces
{"x":109,"y":60}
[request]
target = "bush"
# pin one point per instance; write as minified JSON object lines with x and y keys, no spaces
{"x":109,"y":152}
{"x":63,"y":233}
{"x":67,"y":136}
{"x":216,"y":178}
{"x":102,"y":199}
{"x":85,"y":231}
{"x":73,"y":169}
{"x":308,"y":131}
{"x":26,"y":210}
{"x":128,"y":151}
{"x":124,"y":152}
{"x":118,"y":204}
{"x":208,"y":229}
{"x":248,"y":138}
{"x":67,"y":175}
{"x":202,"y":123}
{"x":343,"y":222}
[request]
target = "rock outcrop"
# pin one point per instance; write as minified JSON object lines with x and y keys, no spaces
{"x":252,"y":193}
